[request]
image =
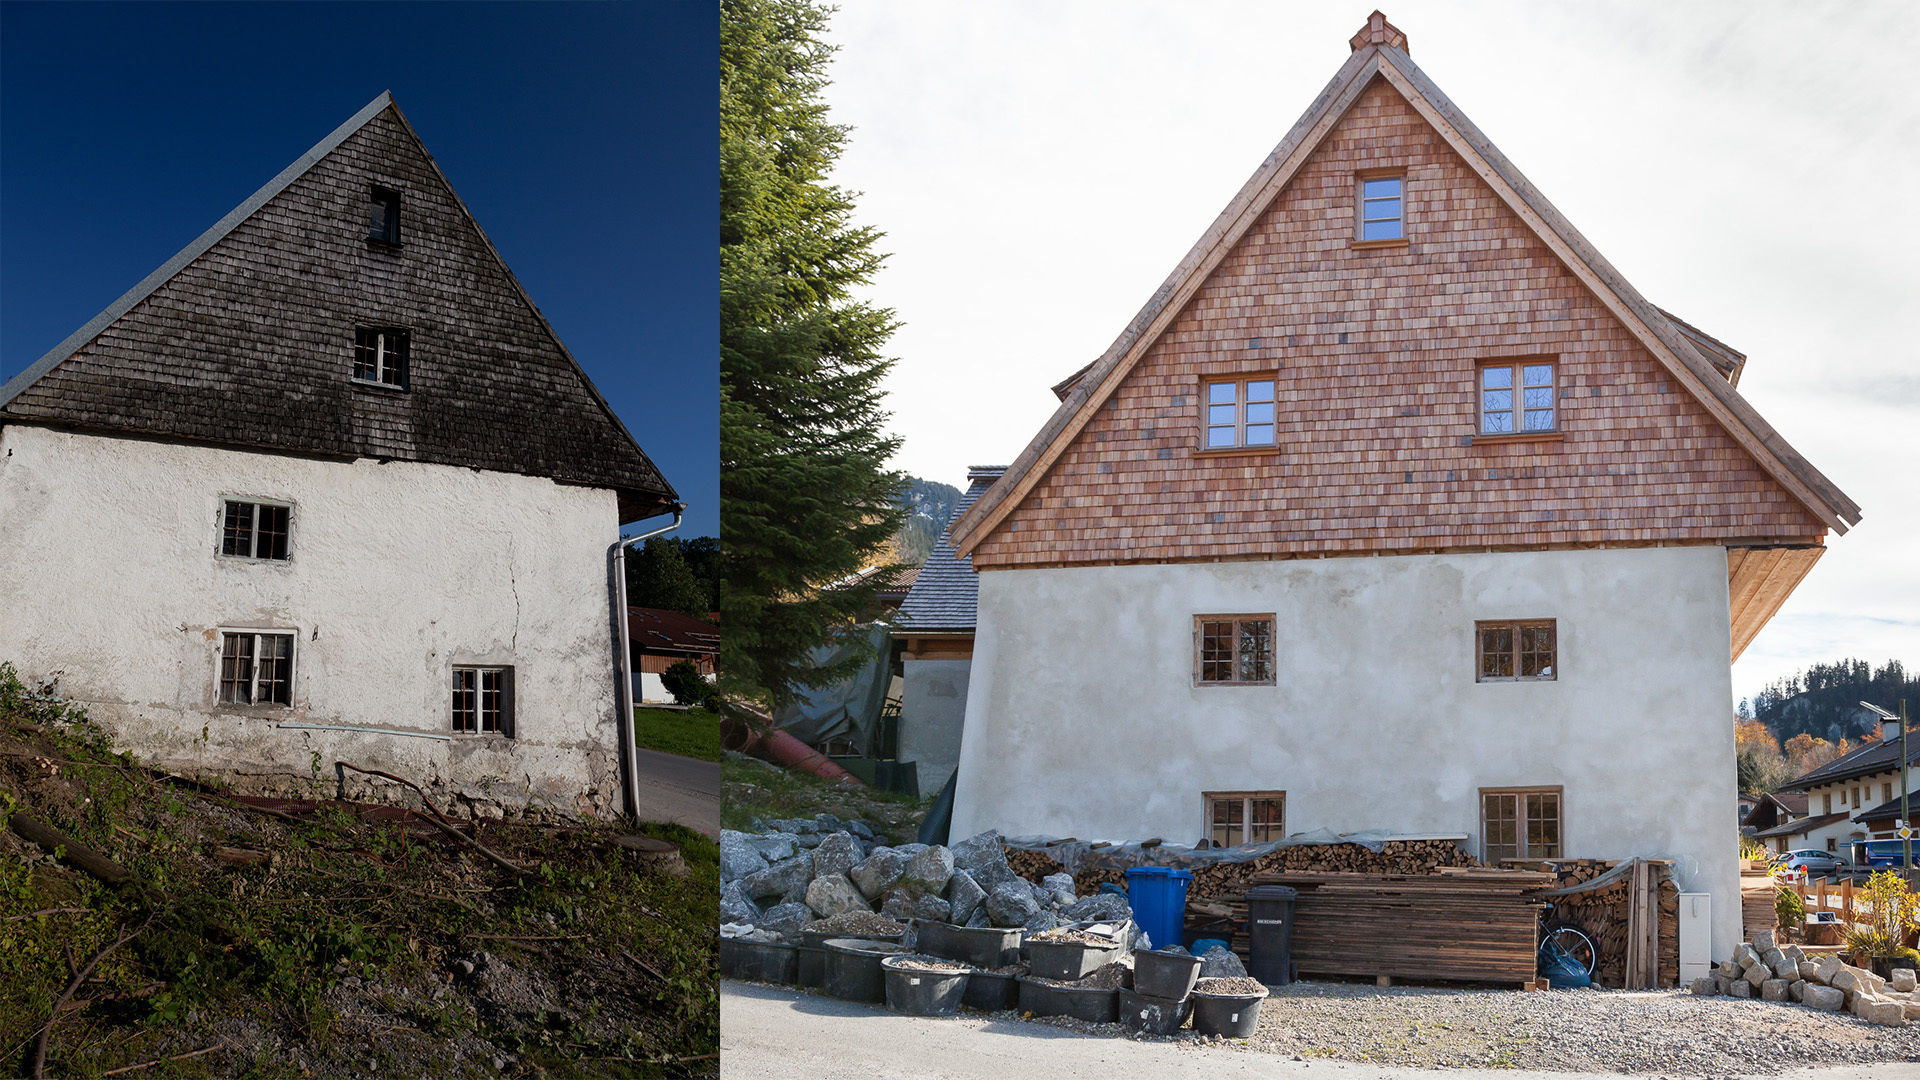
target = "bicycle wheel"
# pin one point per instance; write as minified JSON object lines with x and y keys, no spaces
{"x":1574,"y":942}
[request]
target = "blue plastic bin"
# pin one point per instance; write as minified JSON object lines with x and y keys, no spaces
{"x":1159,"y":898}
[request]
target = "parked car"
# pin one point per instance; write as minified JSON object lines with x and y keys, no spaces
{"x":1811,"y":863}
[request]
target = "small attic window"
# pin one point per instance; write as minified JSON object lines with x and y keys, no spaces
{"x":380,"y":355}
{"x":383,"y":222}
{"x":1381,"y":214}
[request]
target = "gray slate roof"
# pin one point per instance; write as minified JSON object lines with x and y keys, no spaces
{"x":1877,"y":756}
{"x":945,"y":596}
{"x":245,"y":338}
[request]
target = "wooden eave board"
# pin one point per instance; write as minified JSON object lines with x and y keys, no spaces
{"x":1088,"y":391}
{"x":1759,"y":580}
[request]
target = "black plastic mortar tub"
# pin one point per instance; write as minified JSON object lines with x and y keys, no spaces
{"x":1232,"y":1015}
{"x":1068,"y":961}
{"x":1164,"y":974}
{"x":759,"y":961}
{"x":1153,"y":1015}
{"x":1093,"y":1006}
{"x":916,"y":991}
{"x":984,"y":947}
{"x":811,"y":968}
{"x":992,"y":993}
{"x":853,"y":968}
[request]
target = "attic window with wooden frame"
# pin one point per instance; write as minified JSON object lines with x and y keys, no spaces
{"x":1380,"y":215}
{"x":1519,"y":823}
{"x":1517,"y":651}
{"x":380,"y":355}
{"x":1245,"y":817}
{"x":254,"y":530}
{"x":1238,"y":414}
{"x":1517,"y":397}
{"x":1233,"y":650}
{"x":383,"y":217}
{"x":483,"y":700}
{"x":256,"y":667}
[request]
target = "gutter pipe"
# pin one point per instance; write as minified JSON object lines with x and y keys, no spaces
{"x":629,"y":750}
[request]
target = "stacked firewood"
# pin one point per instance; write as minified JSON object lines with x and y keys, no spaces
{"x":1603,"y":914}
{"x":1037,"y":865}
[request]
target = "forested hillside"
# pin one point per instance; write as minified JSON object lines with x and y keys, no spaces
{"x":1823,"y":701}
{"x":929,"y":506}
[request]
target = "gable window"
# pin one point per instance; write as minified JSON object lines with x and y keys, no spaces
{"x":1519,"y":823}
{"x":380,"y":355}
{"x":1517,"y":397}
{"x":1233,"y":650}
{"x":483,"y":700}
{"x":383,"y":218}
{"x":1239,"y":413}
{"x":1515,"y":651}
{"x":1380,"y":214}
{"x":1245,"y":817}
{"x":256,"y":667}
{"x":254,"y":530}
{"x":1826,"y":803}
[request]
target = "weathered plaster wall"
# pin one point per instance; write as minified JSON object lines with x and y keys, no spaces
{"x":109,"y":578}
{"x":1083,"y":718}
{"x":933,"y":709}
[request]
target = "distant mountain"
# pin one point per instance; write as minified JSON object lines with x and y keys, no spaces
{"x":929,"y":506}
{"x":1824,"y":700}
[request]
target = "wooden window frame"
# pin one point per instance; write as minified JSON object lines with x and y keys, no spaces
{"x":1522,"y":797}
{"x":252,"y":635}
{"x":1246,"y":799}
{"x":1827,"y":799}
{"x":253,"y":529}
{"x":1514,"y":626}
{"x":1241,"y":406}
{"x":1360,"y":200}
{"x":1199,"y":642}
{"x":392,"y":355}
{"x":391,"y":198}
{"x":474,"y":718}
{"x":1516,"y":366}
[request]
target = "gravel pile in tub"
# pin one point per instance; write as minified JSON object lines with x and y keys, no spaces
{"x":923,"y":962}
{"x":1065,"y":936}
{"x":1229,"y":987}
{"x":857,"y":924}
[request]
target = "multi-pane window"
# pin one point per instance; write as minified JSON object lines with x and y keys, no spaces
{"x":1515,"y":650}
{"x":256,"y":667}
{"x":380,"y":355}
{"x":1520,"y":824}
{"x":1516,"y":397}
{"x":254,"y":530}
{"x":1245,"y":817}
{"x":1239,"y":413}
{"x":383,"y":220}
{"x":1233,"y":650}
{"x":1380,"y":209}
{"x":483,"y":700}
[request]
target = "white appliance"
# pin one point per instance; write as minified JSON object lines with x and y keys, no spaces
{"x":1696,"y":942}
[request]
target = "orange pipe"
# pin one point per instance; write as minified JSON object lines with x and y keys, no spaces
{"x":772,"y":744}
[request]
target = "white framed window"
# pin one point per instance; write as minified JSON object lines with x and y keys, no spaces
{"x":1245,"y":817}
{"x":380,"y":355}
{"x":483,"y":700}
{"x":1238,"y":413}
{"x":251,"y":529}
{"x":256,"y":666}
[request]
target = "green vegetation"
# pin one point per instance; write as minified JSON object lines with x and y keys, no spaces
{"x":329,"y":939}
{"x":806,"y":495}
{"x":1789,"y":911}
{"x":693,"y":733}
{"x":755,"y":789}
{"x":675,"y":574}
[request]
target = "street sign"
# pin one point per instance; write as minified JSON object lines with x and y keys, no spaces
{"x":1906,"y":834}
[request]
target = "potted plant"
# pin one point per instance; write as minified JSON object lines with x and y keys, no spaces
{"x":1879,"y":942}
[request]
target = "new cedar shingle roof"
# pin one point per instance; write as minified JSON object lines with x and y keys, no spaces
{"x":258,"y":314}
{"x":946,"y":595}
{"x":1878,"y":756}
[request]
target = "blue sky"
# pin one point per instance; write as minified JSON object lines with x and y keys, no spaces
{"x":583,"y":136}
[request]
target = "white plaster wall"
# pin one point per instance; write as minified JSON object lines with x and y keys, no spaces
{"x":109,"y":579}
{"x":933,"y":709}
{"x":1083,"y":718}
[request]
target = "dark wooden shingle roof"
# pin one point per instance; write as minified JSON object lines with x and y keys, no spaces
{"x":245,"y":339}
{"x":946,"y":594}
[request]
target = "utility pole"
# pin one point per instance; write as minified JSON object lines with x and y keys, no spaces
{"x":1906,"y":843}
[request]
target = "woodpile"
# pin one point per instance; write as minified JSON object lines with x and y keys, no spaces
{"x":1605,"y":914}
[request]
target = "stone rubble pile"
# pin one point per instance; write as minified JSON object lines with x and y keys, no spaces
{"x":1761,"y":969}
{"x":792,"y":871}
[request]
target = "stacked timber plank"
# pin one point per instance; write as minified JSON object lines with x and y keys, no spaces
{"x":1470,"y":925}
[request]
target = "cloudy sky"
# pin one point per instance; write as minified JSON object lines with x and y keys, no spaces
{"x":1040,"y":168}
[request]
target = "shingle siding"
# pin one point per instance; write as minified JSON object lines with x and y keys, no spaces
{"x":251,"y":345}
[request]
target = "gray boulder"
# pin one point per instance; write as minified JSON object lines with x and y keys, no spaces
{"x":1740,"y":988}
{"x":1061,"y":886}
{"x":963,"y":896}
{"x":1100,"y":907}
{"x":979,"y":920}
{"x":1774,"y":990}
{"x":933,"y":909}
{"x":984,"y":858}
{"x":737,"y":856}
{"x":781,"y":879}
{"x":1041,"y":923}
{"x":860,"y":829}
{"x":773,"y":846}
{"x":1704,"y":987}
{"x":834,"y":895}
{"x":898,"y":905}
{"x":1762,"y":941}
{"x":736,"y":906}
{"x":928,"y":872}
{"x":786,"y":919}
{"x":837,"y":854}
{"x":878,"y":872}
{"x":1011,"y":904}
{"x":1221,"y":962}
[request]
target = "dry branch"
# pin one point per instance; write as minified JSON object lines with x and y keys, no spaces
{"x":436,"y":819}
{"x":38,"y":1069}
{"x":71,"y":851}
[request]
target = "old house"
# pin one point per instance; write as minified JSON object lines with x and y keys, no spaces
{"x":327,"y":487}
{"x":660,"y":639}
{"x":1394,"y":508}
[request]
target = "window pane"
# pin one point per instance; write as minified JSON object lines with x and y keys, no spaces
{"x":1493,"y":378}
{"x":1539,"y":374}
{"x":1539,"y":397}
{"x":1220,"y":414}
{"x":1216,"y":652}
{"x":1260,"y":414}
{"x":1226,"y":822}
{"x":1385,"y":188}
{"x":463,"y":699}
{"x":1496,"y":423}
{"x":1382,"y":209}
{"x":1543,"y":825}
{"x":236,"y":668}
{"x":271,"y":540}
{"x":1536,"y":651}
{"x":1496,"y":400}
{"x":1539,"y":419}
{"x":1498,"y":826}
{"x":236,"y":534}
{"x":1220,"y":436}
{"x":1380,"y":230}
{"x":1256,"y":650}
{"x":276,"y":669}
{"x":1496,"y":652}
{"x":1218,"y":392}
{"x":1260,"y":391}
{"x":1265,"y":823}
{"x":1259,"y":434}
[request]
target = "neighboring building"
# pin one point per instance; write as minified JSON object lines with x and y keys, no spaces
{"x":326,"y":486}
{"x":1779,"y":820}
{"x":659,"y":640}
{"x":935,"y":628}
{"x":1396,"y":508}
{"x":1856,"y":798}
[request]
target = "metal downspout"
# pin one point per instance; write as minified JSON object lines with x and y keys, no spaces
{"x":629,"y":750}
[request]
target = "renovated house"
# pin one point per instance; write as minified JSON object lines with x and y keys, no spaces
{"x":1395,"y":508}
{"x":327,"y":487}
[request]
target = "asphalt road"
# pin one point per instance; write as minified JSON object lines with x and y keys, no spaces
{"x":768,"y":1033}
{"x":683,"y":790}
